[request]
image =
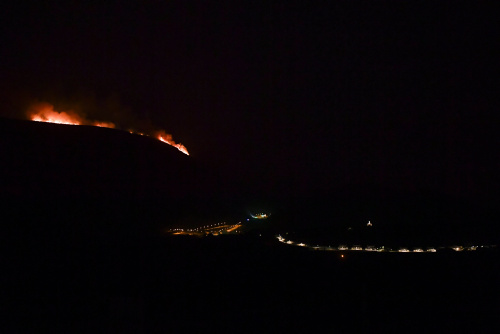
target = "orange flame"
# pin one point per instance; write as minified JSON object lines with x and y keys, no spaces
{"x":104,"y":124}
{"x":44,"y":112}
{"x":167,"y":138}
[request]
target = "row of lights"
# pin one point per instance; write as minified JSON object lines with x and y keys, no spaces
{"x":378,"y":249}
{"x":223,"y":226}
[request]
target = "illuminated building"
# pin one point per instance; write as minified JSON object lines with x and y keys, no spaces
{"x":260,"y":216}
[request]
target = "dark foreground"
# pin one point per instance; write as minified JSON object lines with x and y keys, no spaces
{"x":240,"y":284}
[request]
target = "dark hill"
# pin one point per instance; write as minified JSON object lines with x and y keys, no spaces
{"x":102,"y":177}
{"x":76,"y":207}
{"x":51,"y":172}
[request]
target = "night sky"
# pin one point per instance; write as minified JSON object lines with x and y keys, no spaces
{"x":295,"y":97}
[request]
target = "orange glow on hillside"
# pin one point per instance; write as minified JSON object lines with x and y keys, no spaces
{"x":167,"y":138}
{"x":104,"y":124}
{"x":44,"y":112}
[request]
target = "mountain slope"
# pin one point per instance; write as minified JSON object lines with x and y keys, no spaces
{"x":52,"y":172}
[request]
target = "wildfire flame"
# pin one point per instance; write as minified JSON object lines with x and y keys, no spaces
{"x":167,"y":138}
{"x":44,"y":112}
{"x":104,"y":124}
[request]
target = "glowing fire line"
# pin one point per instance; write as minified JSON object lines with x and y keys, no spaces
{"x":166,"y":138}
{"x":44,"y":112}
{"x":55,"y":117}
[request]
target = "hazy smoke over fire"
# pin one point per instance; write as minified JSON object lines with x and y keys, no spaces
{"x":44,"y":112}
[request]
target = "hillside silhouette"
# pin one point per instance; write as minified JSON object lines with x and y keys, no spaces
{"x":82,"y":209}
{"x":110,"y":178}
{"x":61,"y":174}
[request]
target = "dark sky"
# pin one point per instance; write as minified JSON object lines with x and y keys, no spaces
{"x":293,"y":96}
